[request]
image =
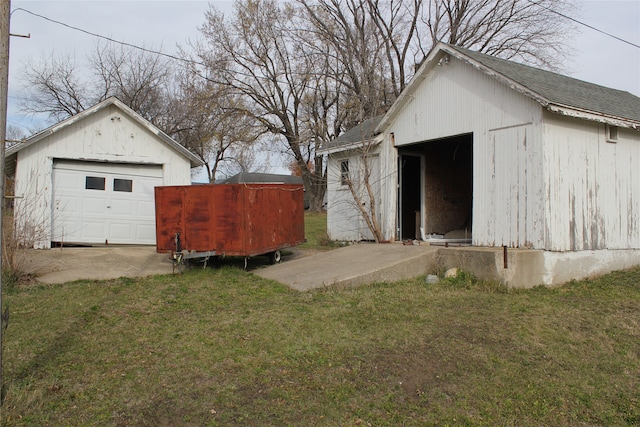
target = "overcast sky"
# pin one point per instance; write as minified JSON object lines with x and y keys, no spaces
{"x":165,"y":24}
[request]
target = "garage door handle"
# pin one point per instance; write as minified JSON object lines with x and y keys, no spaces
{"x":109,"y":207}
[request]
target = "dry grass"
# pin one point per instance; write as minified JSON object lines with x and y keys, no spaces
{"x":224,"y":347}
{"x":315,"y":230}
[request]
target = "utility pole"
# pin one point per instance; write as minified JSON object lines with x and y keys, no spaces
{"x":5,"y":13}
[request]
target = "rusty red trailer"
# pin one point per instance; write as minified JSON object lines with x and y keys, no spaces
{"x":198,"y":221}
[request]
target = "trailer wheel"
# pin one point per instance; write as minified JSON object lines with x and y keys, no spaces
{"x":275,"y":257}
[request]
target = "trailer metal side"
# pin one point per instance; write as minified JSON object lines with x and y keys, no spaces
{"x":229,"y":219}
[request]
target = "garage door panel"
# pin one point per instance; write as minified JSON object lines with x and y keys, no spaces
{"x":68,"y":205}
{"x":122,"y":211}
{"x":67,"y":180}
{"x":147,"y":208}
{"x":120,"y":231}
{"x":94,"y":206}
{"x":145,"y":186}
{"x":89,"y":230}
{"x":126,"y":208}
{"x":145,"y":232}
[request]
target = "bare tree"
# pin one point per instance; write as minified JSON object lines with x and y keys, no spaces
{"x":243,"y":157}
{"x":56,"y":87}
{"x":374,"y":47}
{"x":377,"y":43}
{"x":140,"y":79}
{"x":528,"y":31}
{"x":361,"y":186}
{"x":59,"y":87}
{"x":368,"y":43}
{"x":258,"y":57}
{"x":14,"y":135}
{"x":206,"y":118}
{"x":209,"y":120}
{"x":397,"y":21}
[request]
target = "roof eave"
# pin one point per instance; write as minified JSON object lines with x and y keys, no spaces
{"x":407,"y":94}
{"x":420,"y":75}
{"x":194,"y":160}
{"x":592,"y":116}
{"x":543,"y":101}
{"x":359,"y":145}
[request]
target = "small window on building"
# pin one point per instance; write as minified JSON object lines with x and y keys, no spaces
{"x":94,"y":183}
{"x":344,"y":172}
{"x":612,"y":133}
{"x":124,"y":185}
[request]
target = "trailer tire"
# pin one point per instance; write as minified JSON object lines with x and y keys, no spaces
{"x":275,"y":257}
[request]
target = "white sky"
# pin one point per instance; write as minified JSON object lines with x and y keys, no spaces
{"x":165,"y":24}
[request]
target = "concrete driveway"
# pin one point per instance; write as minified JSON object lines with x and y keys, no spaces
{"x":301,"y":270}
{"x":60,"y":265}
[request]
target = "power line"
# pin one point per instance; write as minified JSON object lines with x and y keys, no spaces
{"x":190,"y":61}
{"x":155,"y":52}
{"x":584,"y":24}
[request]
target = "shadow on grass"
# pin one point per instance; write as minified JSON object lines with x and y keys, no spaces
{"x":64,"y":342}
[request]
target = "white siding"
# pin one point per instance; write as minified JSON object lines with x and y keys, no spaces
{"x":508,"y":186}
{"x":344,"y":218}
{"x":388,"y":189}
{"x":540,"y":180}
{"x":511,"y":198}
{"x":592,"y":186}
{"x":108,"y":135}
{"x":456,"y":98}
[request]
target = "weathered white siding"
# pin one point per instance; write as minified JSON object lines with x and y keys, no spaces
{"x":388,"y":189}
{"x":454,"y":99}
{"x":593,"y":186}
{"x":541,"y":180}
{"x":508,"y":184}
{"x":108,"y":135}
{"x":344,"y":219}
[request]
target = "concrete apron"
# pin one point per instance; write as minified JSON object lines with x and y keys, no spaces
{"x":519,"y":268}
{"x":61,"y":265}
{"x":352,"y":265}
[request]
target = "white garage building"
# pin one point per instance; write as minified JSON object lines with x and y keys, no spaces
{"x":500,"y":155}
{"x":90,"y":178}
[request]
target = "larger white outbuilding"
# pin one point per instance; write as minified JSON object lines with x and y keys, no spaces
{"x":500,"y":154}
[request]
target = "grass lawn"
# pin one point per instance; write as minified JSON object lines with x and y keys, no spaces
{"x":225,"y":347}
{"x":315,"y":231}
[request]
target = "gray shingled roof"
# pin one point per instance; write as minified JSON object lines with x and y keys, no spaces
{"x":253,"y":177}
{"x":562,"y":90}
{"x":362,"y":132}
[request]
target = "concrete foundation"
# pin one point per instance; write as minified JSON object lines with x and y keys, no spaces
{"x":519,"y":268}
{"x":525,"y":268}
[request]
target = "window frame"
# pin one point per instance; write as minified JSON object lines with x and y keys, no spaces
{"x":94,"y":179}
{"x":129,"y":188}
{"x":345,"y":179}
{"x":612,"y":133}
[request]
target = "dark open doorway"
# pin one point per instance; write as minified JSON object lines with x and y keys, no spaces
{"x":410,"y":198}
{"x":443,"y":194}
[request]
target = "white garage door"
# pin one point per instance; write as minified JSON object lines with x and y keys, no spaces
{"x":104,"y":202}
